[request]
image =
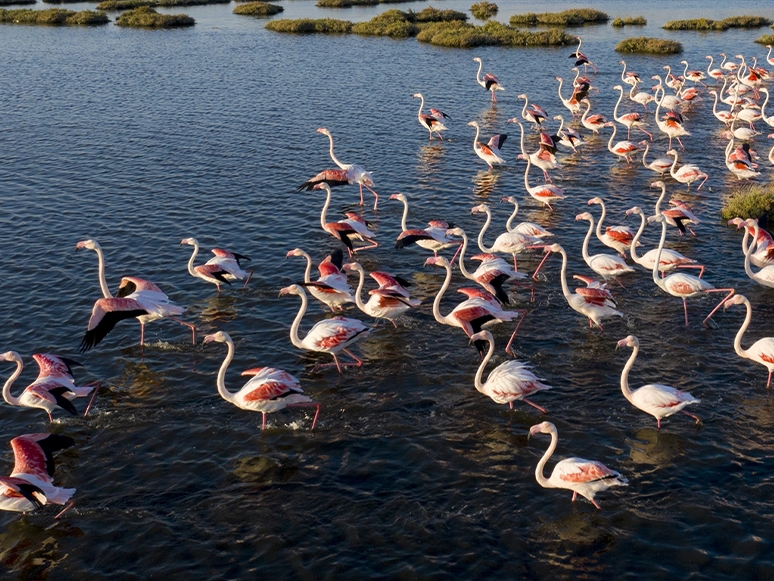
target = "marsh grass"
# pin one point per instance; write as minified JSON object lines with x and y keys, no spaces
{"x":462,"y":35}
{"x":115,"y":5}
{"x":765,"y":39}
{"x":53,"y":17}
{"x":147,"y":17}
{"x":258,"y":9}
{"x":707,"y":24}
{"x":484,"y":10}
{"x":749,"y":201}
{"x":310,"y":26}
{"x":189,"y":2}
{"x":345,"y":3}
{"x":619,"y":22}
{"x":574,"y":17}
{"x":647,"y":45}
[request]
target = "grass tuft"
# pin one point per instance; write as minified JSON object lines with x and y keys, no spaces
{"x":147,"y":17}
{"x":114,"y":5}
{"x":53,"y":17}
{"x":345,"y":3}
{"x":484,"y":10}
{"x":725,"y":24}
{"x":310,"y":26}
{"x":765,"y":39}
{"x":619,"y":22}
{"x":189,"y":2}
{"x":392,"y":23}
{"x":574,"y":17}
{"x":462,"y":35}
{"x":749,"y":201}
{"x":647,"y":45}
{"x":258,"y":9}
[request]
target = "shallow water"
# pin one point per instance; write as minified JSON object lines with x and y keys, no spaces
{"x":141,"y":138}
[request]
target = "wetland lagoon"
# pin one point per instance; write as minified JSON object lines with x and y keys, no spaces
{"x":139,"y":138}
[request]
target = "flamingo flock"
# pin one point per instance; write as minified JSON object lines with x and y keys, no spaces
{"x":269,"y":390}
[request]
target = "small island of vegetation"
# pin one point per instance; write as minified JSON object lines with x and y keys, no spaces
{"x":765,"y":39}
{"x":725,"y":24}
{"x":749,"y":201}
{"x":115,"y":5}
{"x":619,"y":22}
{"x":345,"y":3}
{"x":574,"y":17}
{"x":147,"y":17}
{"x":647,"y":45}
{"x":53,"y":17}
{"x":258,"y":9}
{"x":484,"y":10}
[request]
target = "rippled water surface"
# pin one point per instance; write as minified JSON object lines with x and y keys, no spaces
{"x":141,"y":138}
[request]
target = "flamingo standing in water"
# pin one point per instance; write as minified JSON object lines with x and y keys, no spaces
{"x":573,"y":103}
{"x":432,"y":238}
{"x":31,"y":484}
{"x":659,"y":165}
{"x":490,"y":152}
{"x":594,"y":301}
{"x":508,"y":382}
{"x":389,"y":301}
{"x":580,"y":58}
{"x":716,"y":74}
{"x":616,"y":237}
{"x":660,"y":401}
{"x":353,"y":174}
{"x":684,"y":285}
{"x":765,"y":276}
{"x":688,"y":173}
{"x":623,"y":149}
{"x":584,"y":477}
{"x":670,"y":259}
{"x":511,"y":243}
{"x":331,"y":288}
{"x":680,"y":216}
{"x":326,"y":336}
{"x":433,"y":122}
{"x":605,"y":265}
{"x":353,"y":228}
{"x":762,"y":351}
{"x":54,"y":388}
{"x":536,"y":115}
{"x":763,"y":253}
{"x":268,"y":390}
{"x":489,"y":81}
{"x":595,"y":122}
{"x":527,"y":228}
{"x":544,"y":157}
{"x":629,"y":120}
{"x":224,"y":268}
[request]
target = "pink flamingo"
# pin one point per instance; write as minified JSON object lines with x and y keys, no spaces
{"x":490,"y":152}
{"x":432,"y":238}
{"x":512,"y":243}
{"x":623,"y":149}
{"x":688,"y":173}
{"x":765,"y":276}
{"x":670,"y":259}
{"x":489,"y":81}
{"x":268,"y":390}
{"x":594,"y":122}
{"x":763,"y":246}
{"x":390,"y":301}
{"x":224,"y":268}
{"x":762,"y":351}
{"x":580,"y":58}
{"x":659,"y":165}
{"x":584,"y":477}
{"x":629,"y":120}
{"x":543,"y":158}
{"x":679,"y":216}
{"x":616,"y":237}
{"x":605,"y":265}
{"x":527,"y":228}
{"x":353,"y":228}
{"x":433,"y":122}
{"x":331,"y":288}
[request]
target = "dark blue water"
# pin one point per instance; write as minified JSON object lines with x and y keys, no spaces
{"x":141,"y":138}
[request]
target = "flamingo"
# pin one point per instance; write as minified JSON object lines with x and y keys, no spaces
{"x":762,"y":351}
{"x":768,"y":56}
{"x":389,"y":301}
{"x":765,"y":276}
{"x":511,"y":243}
{"x":433,"y":238}
{"x":224,"y":268}
{"x":672,"y":81}
{"x":584,"y":477}
{"x":353,"y":228}
{"x":629,"y":120}
{"x":526,"y":228}
{"x":605,"y":265}
{"x":489,"y":81}
{"x":660,"y":401}
{"x":683,"y":285}
{"x":580,"y":58}
{"x":672,"y":126}
{"x":54,"y":388}
{"x":695,"y":76}
{"x":666,"y":101}
{"x":616,"y":237}
{"x":326,"y":336}
{"x":670,"y":259}
{"x":268,"y":390}
{"x":680,"y":216}
{"x":572,"y":104}
{"x":490,"y":153}
{"x":642,"y":97}
{"x":568,"y":137}
{"x":688,"y":173}
{"x":537,"y":115}
{"x":722,"y":116}
{"x":767,"y":120}
{"x":594,"y":302}
{"x":354,"y":174}
{"x":629,"y":78}
{"x":659,"y":165}
{"x":31,"y":484}
{"x":543,"y":157}
{"x":136,"y":298}
{"x":478,"y":310}
{"x":508,"y":382}
{"x":331,"y":288}
{"x":763,"y":254}
{"x":623,"y":149}
{"x":716,"y":74}
{"x":727,"y":66}
{"x":432,"y":122}
{"x":545,"y":193}
{"x":595,"y":122}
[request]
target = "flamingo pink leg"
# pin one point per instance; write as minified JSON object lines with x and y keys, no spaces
{"x":730,"y":292}
{"x":308,"y":404}
{"x":768,"y":383}
{"x":374,"y":244}
{"x":685,"y":308}
{"x":376,"y":201}
{"x":263,"y":423}
{"x":698,"y":421}
{"x":534,"y":405}
{"x":451,"y":262}
{"x":142,"y":333}
{"x":521,"y":320}
{"x":534,"y":276}
{"x":594,"y":502}
{"x":93,"y":395}
{"x":249,"y":276}
{"x":574,"y":496}
{"x":189,"y":325}
{"x":65,"y":509}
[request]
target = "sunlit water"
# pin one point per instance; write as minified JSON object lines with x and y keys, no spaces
{"x":141,"y":138}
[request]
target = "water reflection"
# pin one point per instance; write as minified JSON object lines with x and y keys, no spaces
{"x":31,"y":551}
{"x":654,"y":447}
{"x":216,"y":309}
{"x":138,"y":378}
{"x":430,"y":158}
{"x":484,"y":183}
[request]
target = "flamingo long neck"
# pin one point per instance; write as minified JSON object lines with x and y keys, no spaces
{"x":658,"y":109}
{"x":768,"y":56}
{"x":421,"y":106}
{"x":585,"y":249}
{"x":660,"y":282}
{"x":524,"y":110}
{"x":747,"y":268}
{"x":224,"y":393}
{"x":623,"y":72}
{"x":461,"y":261}
{"x":481,"y":234}
{"x":744,"y":240}
{"x":478,"y":74}
{"x":559,"y":90}
{"x":444,"y":320}
{"x":631,"y":91}
{"x":625,"y":373}
{"x":561,"y":125}
{"x":526,"y":175}
{"x":674,"y":165}
{"x":521,"y":141}
{"x":542,"y":480}
{"x":563,"y":277}
{"x":660,"y":199}
{"x":685,"y":72}
{"x":101,"y":270}
{"x":191,"y":270}
{"x":769,"y":120}
{"x":333,"y":155}
{"x":477,"y":381}
{"x":580,"y":42}
{"x":308,"y":270}
{"x":586,"y":113}
{"x":601,"y":219}
{"x":358,"y":300}
{"x":645,"y":154}
{"x":294,"y":338}
{"x":404,"y":218}
{"x":475,"y":139}
{"x":730,"y":145}
{"x":636,"y":239}
{"x":615,"y":111}
{"x":515,"y":210}
{"x":610,"y":143}
{"x":738,"y":339}
{"x":324,"y":212}
{"x":723,"y":61}
{"x":709,"y":66}
{"x":715,"y":105}
{"x":7,"y":387}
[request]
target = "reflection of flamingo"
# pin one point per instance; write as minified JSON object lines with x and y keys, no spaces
{"x":584,"y":477}
{"x":331,"y":288}
{"x":489,"y":81}
{"x":269,"y":390}
{"x":762,"y":351}
{"x":432,"y":122}
{"x":224,"y":268}
{"x":490,"y":152}
{"x":508,"y":382}
{"x":660,"y":401}
{"x":327,"y":336}
{"x":354,"y":173}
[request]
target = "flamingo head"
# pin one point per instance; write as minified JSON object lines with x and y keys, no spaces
{"x":558,"y":118}
{"x":558,"y":78}
{"x":417,"y":95}
{"x":522,"y":96}
{"x":189,"y":241}
{"x":672,"y":152}
{"x":709,"y":56}
{"x":595,"y":201}
{"x":735,"y":300}
{"x":322,"y":186}
{"x":684,"y":63}
{"x":751,"y":222}
{"x":400,"y":197}
{"x":476,"y":59}
{"x":351,"y":266}
{"x":630,"y":341}
{"x":621,"y":62}
{"x":437,"y":261}
{"x":293,"y":289}
{"x":294,"y":252}
{"x":739,"y":56}
{"x":644,"y":143}
{"x":324,"y":131}
{"x":11,"y":356}
{"x":583,"y":216}
{"x":366,"y":179}
{"x":480,"y":208}
{"x":510,"y":199}
{"x":513,"y":120}
{"x":634,"y":210}
{"x":658,"y":184}
{"x":618,"y":88}
{"x":473,"y":124}
{"x":219,"y":337}
{"x":455,"y":232}
{"x":722,"y":54}
{"x":522,"y":156}
{"x":770,"y":136}
{"x":481,"y":336}
{"x":87,"y":244}
{"x":552,"y":248}
{"x":542,"y":428}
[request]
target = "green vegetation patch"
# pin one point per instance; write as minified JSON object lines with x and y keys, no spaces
{"x":114,"y":5}
{"x":462,"y":35}
{"x":574,"y":17}
{"x":258,"y":9}
{"x":725,"y":24}
{"x":53,"y":17}
{"x":147,"y":17}
{"x":189,"y":2}
{"x":345,"y":3}
{"x":765,"y":39}
{"x":62,"y":1}
{"x":629,"y":21}
{"x":310,"y":26}
{"x":484,"y":10}
{"x":647,"y":45}
{"x":391,"y":23}
{"x":749,"y":201}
